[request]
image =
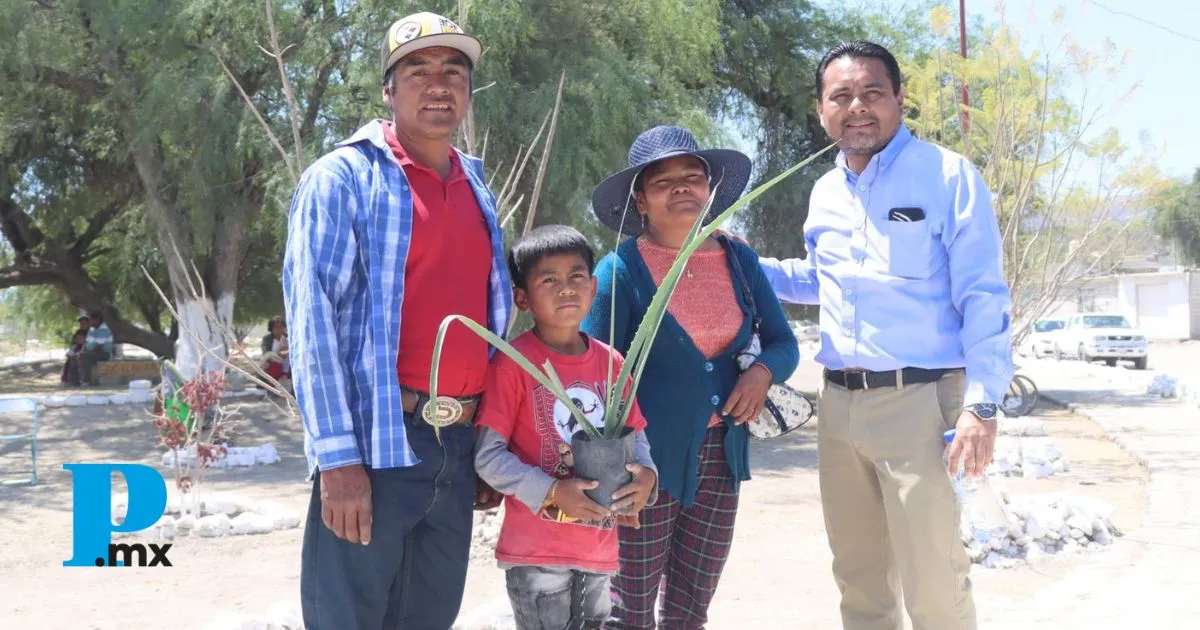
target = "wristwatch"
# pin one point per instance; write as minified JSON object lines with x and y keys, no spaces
{"x":984,"y":411}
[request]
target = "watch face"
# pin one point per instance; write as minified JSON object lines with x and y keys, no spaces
{"x":985,"y":411}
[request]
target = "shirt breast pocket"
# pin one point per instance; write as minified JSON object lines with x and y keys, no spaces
{"x":913,"y":252}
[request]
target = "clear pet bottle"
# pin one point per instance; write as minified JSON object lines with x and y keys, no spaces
{"x":981,"y":507}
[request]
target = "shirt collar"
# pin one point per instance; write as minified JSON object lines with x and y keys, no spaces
{"x":371,"y":132}
{"x":376,"y":132}
{"x":885,"y":157}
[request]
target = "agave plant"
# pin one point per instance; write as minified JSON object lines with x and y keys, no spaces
{"x":616,"y":409}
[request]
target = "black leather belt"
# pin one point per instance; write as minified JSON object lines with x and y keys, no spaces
{"x":855,"y":379}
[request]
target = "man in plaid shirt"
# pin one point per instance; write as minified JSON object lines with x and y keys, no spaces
{"x":389,"y":233}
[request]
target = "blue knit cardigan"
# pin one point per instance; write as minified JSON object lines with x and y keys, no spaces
{"x":680,"y":388}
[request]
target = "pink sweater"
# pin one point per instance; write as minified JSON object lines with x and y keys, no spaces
{"x":703,"y":303}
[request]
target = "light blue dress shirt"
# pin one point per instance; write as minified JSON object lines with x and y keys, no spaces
{"x":924,"y":293}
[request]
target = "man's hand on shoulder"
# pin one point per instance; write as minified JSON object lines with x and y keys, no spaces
{"x":730,"y":235}
{"x":346,"y":503}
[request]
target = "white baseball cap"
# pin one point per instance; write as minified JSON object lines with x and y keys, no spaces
{"x":425,"y":30}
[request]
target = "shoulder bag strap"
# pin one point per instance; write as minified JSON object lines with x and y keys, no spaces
{"x":731,"y":254}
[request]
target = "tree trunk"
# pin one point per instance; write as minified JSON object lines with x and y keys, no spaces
{"x":204,"y":303}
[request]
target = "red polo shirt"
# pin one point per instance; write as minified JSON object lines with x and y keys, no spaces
{"x":449,"y":262}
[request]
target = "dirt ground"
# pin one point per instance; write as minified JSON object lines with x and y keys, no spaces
{"x":40,"y":377}
{"x":777,"y":577}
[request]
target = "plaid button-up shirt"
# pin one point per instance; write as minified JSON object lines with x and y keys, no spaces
{"x":343,"y":283}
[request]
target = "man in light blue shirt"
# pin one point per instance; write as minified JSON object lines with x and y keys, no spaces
{"x":904,"y":258}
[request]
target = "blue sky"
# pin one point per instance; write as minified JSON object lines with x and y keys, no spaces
{"x":1161,"y":67}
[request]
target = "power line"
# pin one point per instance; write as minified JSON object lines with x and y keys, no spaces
{"x":1143,"y":21}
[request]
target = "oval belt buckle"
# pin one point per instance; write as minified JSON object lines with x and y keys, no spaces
{"x":442,"y":411}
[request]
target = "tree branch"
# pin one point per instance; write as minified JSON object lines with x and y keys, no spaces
{"x":96,"y":225}
{"x":84,"y":86}
{"x":288,"y":93}
{"x":317,"y":94}
{"x":24,"y":275}
{"x":287,"y":158}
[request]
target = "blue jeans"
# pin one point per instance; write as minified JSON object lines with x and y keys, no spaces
{"x":553,"y":598}
{"x":412,"y":574}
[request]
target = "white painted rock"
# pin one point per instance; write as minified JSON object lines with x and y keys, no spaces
{"x":141,"y":398}
{"x":284,"y":616}
{"x":119,"y":399}
{"x":211,"y":515}
{"x":233,"y":621}
{"x":1029,"y":457}
{"x":1025,"y":427}
{"x":139,"y":385}
{"x":75,"y":400}
{"x":54,"y":401}
{"x":252,"y":523}
{"x":1044,"y":524}
{"x":486,"y":532}
{"x":220,"y":504}
{"x":214,"y":525}
{"x":186,"y":523}
{"x":1163,"y":386}
{"x":97,"y":400}
{"x":280,"y":616}
{"x":164,"y":529}
{"x":235,"y":456}
{"x":495,"y":614}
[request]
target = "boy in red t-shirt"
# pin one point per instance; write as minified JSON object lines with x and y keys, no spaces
{"x":557,"y":546}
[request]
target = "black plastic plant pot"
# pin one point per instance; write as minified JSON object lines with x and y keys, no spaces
{"x":603,"y":461}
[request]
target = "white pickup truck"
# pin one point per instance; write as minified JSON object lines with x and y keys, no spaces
{"x":1107,"y":336}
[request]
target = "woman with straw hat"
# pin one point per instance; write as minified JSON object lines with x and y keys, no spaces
{"x":695,"y":398}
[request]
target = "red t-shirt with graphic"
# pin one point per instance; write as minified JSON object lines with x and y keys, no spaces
{"x":536,"y":424}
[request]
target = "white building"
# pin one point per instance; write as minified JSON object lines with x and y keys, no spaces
{"x":1165,"y":305}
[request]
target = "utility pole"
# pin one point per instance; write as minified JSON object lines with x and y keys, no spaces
{"x":962,"y":49}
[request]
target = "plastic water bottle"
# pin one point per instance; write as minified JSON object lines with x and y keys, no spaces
{"x":982,"y":509}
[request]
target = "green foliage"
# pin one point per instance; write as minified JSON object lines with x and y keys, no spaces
{"x":38,"y":313}
{"x":624,"y":73}
{"x":1177,"y":218}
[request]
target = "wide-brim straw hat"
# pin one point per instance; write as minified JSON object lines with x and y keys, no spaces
{"x":728,"y":173}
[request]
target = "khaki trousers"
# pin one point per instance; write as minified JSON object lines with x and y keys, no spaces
{"x":890,"y":512}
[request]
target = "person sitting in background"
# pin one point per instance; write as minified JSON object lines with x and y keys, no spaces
{"x":97,"y":347}
{"x":275,"y":361}
{"x":70,"y":371}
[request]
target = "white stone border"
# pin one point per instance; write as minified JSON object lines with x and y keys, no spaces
{"x":132,"y":397}
{"x":218,"y":514}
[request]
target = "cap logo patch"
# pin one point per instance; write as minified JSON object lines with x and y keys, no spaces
{"x":448,"y":26}
{"x":404,"y":33}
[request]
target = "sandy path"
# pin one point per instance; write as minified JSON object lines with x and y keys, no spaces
{"x":778,"y":575}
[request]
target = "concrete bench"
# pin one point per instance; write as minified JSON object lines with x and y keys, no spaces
{"x":116,"y":372}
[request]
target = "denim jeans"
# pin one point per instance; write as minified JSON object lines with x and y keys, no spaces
{"x":553,"y":598}
{"x":412,"y":574}
{"x":84,"y":364}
